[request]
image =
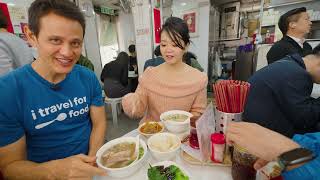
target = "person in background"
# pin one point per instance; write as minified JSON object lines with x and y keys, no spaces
{"x":294,"y":25}
{"x":191,"y":59}
{"x":280,"y":100}
{"x":14,"y":52}
{"x":115,"y":76}
{"x":84,"y":61}
{"x":154,"y":61}
{"x":133,"y":64}
{"x":55,"y":121}
{"x":271,"y":146}
{"x":172,"y":85}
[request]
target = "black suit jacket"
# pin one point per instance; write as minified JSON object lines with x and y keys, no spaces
{"x":287,"y":46}
{"x":279,"y":98}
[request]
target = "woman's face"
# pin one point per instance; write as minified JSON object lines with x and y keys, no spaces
{"x":171,"y":53}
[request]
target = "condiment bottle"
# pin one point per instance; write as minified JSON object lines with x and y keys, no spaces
{"x":193,"y":140}
{"x":218,"y":143}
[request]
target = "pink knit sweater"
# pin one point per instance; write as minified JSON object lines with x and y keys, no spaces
{"x":156,"y":95}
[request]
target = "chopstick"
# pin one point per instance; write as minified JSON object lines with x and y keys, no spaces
{"x":231,"y":95}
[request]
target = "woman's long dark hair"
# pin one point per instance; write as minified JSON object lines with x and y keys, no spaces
{"x":177,"y":30}
{"x":123,"y":58}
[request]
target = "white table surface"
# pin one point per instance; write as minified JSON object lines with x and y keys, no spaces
{"x":196,"y":172}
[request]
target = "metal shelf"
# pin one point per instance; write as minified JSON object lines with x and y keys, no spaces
{"x":288,"y":4}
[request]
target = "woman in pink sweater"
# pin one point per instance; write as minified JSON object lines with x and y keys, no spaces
{"x":172,"y":85}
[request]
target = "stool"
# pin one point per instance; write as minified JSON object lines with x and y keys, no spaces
{"x":114,"y":102}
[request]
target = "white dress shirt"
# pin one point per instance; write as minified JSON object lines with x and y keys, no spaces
{"x":299,"y":41}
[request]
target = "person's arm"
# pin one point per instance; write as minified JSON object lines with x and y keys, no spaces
{"x":276,"y":53}
{"x":259,"y":141}
{"x":124,"y":75}
{"x":302,"y":110}
{"x":97,"y":116}
{"x":15,"y":166}
{"x":99,"y":124}
{"x":6,"y":62}
{"x":102,"y":76}
{"x":309,"y":170}
{"x":135,"y":104}
{"x":200,"y":103}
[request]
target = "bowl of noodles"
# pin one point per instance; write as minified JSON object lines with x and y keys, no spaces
{"x":117,"y":157}
{"x":150,"y":128}
{"x":176,"y":121}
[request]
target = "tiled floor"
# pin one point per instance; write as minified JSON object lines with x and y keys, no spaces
{"x":125,"y":125}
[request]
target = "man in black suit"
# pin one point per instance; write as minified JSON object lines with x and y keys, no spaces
{"x":294,"y":25}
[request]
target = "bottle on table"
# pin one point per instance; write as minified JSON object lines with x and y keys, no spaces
{"x":193,"y":140}
{"x":218,"y":144}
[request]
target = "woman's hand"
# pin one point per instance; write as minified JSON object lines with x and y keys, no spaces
{"x":129,"y":104}
{"x":259,"y":141}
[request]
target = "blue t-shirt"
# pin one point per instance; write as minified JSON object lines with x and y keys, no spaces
{"x":54,"y":119}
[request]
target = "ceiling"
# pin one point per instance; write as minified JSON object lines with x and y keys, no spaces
{"x":114,"y":4}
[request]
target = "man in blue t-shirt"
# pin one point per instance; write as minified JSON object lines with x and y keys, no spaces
{"x":52,"y":118}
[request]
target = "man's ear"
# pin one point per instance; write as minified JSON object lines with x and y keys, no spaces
{"x":292,"y":25}
{"x":32,"y":39}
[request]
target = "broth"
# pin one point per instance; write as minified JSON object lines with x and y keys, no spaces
{"x":119,"y":155}
{"x":176,"y":117}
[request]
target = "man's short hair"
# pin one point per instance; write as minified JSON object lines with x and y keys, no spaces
{"x":132,"y":48}
{"x":288,"y":17}
{"x":64,"y":8}
{"x":3,"y":20}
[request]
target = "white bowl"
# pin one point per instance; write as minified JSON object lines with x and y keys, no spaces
{"x":149,"y":135}
{"x":169,"y":163}
{"x":174,"y":126}
{"x":124,"y":171}
{"x":162,"y":138}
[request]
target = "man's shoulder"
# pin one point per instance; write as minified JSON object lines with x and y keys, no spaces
{"x":9,"y":37}
{"x":10,"y":82}
{"x":83,"y":72}
{"x":307,"y":45}
{"x":280,"y":44}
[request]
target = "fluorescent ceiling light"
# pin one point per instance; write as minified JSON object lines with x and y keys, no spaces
{"x":183,"y":4}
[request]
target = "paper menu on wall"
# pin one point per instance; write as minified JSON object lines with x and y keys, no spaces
{"x":205,"y":127}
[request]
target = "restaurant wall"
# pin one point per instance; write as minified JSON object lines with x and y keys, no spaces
{"x":125,"y":28}
{"x":314,"y":5}
{"x":200,"y":42}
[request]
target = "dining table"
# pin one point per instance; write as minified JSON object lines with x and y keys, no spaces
{"x":196,"y":172}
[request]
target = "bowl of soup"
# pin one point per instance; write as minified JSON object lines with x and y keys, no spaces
{"x":150,"y":128}
{"x":117,"y":157}
{"x":176,"y":121}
